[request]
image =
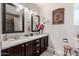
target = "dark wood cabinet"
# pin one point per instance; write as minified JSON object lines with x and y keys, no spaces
{"x":14,"y":51}
{"x":46,"y":42}
{"x":31,"y":48}
{"x":22,"y":49}
{"x":42,"y":44}
{"x":4,"y":52}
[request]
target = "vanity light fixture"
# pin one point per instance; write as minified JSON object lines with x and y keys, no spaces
{"x":20,"y":6}
{"x":35,"y":13}
{"x":18,"y":9}
{"x":27,"y":10}
{"x":31,"y":12}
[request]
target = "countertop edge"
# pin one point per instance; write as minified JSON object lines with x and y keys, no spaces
{"x":23,"y":41}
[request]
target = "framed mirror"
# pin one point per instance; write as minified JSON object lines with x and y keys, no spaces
{"x":13,"y":18}
{"x":35,"y":20}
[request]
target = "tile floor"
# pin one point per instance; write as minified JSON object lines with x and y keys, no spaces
{"x":48,"y":53}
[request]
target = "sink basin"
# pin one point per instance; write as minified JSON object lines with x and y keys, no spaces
{"x":14,"y":39}
{"x":9,"y":40}
{"x":22,"y":37}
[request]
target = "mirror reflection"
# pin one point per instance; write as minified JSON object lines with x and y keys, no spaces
{"x":35,"y":21}
{"x":14,"y":18}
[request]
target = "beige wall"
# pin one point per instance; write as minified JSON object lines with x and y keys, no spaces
{"x":27,"y":18}
{"x":0,"y":30}
{"x":58,"y":32}
{"x":0,"y":20}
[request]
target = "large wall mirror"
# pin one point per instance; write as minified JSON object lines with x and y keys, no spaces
{"x":35,"y":19}
{"x":13,"y":18}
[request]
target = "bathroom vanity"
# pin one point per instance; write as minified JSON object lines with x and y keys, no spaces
{"x":13,"y":22}
{"x":27,"y":46}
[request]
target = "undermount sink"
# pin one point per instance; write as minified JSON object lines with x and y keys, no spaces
{"x":14,"y":39}
{"x":21,"y":38}
{"x":9,"y":40}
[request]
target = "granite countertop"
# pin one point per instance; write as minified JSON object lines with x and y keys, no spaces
{"x":11,"y":43}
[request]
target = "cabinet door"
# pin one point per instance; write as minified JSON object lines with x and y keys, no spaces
{"x":26,"y":49}
{"x":46,"y":42}
{"x":29,"y":48}
{"x":14,"y":51}
{"x":42,"y":44}
{"x":22,"y":49}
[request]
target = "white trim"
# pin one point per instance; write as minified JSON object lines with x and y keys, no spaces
{"x":58,"y":52}
{"x":51,"y":50}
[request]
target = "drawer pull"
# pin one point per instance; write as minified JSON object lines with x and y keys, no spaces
{"x":26,"y":44}
{"x":37,"y":45}
{"x":37,"y":41}
{"x":37,"y":51}
{"x":22,"y":45}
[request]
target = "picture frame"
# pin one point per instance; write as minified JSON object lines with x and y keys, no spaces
{"x":58,"y":16}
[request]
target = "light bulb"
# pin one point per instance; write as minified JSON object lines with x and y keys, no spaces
{"x":20,"y":6}
{"x":18,"y":9}
{"x":31,"y":12}
{"x":35,"y":13}
{"x":26,"y":9}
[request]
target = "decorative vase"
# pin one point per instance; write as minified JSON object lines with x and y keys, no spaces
{"x":41,"y":31}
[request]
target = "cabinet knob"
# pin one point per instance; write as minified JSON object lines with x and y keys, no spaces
{"x":37,"y":51}
{"x":22,"y":45}
{"x":26,"y":44}
{"x":37,"y":45}
{"x":37,"y":41}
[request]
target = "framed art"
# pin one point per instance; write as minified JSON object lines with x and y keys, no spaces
{"x":58,"y":16}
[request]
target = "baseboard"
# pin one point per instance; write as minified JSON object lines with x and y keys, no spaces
{"x":51,"y":50}
{"x":58,"y":52}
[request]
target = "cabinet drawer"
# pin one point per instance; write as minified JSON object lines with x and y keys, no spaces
{"x":37,"y":45}
{"x":37,"y":41}
{"x":37,"y":52}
